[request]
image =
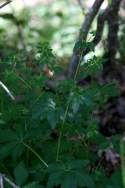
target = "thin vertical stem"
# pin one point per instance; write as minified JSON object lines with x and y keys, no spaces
{"x":61,"y":131}
{"x":66,"y":112}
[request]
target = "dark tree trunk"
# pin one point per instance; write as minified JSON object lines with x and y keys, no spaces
{"x":110,"y":15}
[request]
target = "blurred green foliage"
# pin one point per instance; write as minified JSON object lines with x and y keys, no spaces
{"x":56,"y":22}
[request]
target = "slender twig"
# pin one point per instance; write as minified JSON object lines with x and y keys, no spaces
{"x":7,"y":90}
{"x":35,"y":153}
{"x":6,"y":3}
{"x":11,"y":183}
{"x":4,"y":178}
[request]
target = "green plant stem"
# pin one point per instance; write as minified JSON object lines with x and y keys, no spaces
{"x":61,"y":131}
{"x":77,"y":69}
{"x":66,"y":113}
{"x":122,"y":151}
{"x":36,"y":154}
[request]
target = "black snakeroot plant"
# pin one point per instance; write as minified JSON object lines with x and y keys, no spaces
{"x":48,"y":139}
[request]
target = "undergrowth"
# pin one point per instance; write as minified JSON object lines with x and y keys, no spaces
{"x":51,"y":138}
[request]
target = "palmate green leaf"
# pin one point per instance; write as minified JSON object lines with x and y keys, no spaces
{"x":78,"y":164}
{"x":84,"y":179}
{"x":81,"y":178}
{"x":73,"y":165}
{"x":72,"y":179}
{"x":71,"y":174}
{"x":55,"y":179}
{"x":21,"y":173}
{"x":54,"y":168}
{"x":43,"y":107}
{"x":69,"y":181}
